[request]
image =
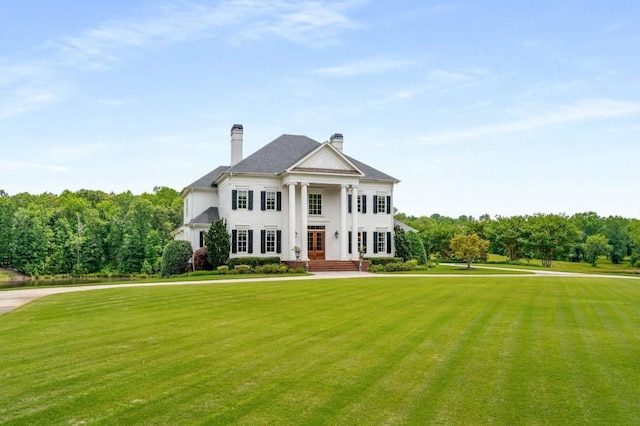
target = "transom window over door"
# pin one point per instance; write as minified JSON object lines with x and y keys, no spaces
{"x":315,"y":204}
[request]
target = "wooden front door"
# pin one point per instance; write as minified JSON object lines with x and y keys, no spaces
{"x":315,"y":245}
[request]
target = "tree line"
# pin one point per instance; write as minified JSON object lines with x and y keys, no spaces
{"x":580,"y":237}
{"x":87,"y":231}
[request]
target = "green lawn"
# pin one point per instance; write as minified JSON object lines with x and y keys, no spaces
{"x":458,"y":269}
{"x":384,"y":350}
{"x":604,"y":266}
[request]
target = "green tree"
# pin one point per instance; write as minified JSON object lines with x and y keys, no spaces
{"x":617,"y":231}
{"x":218,"y":243}
{"x":468,"y":247}
{"x":401,"y":243}
{"x":31,"y":241}
{"x":416,"y":247}
{"x":634,"y":233}
{"x":175,"y":257}
{"x":7,"y":210}
{"x":550,"y":237}
{"x":507,"y":235}
{"x":596,"y":245}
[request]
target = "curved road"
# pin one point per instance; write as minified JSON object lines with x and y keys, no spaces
{"x":12,"y":299}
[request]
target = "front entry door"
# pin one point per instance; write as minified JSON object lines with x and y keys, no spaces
{"x":315,"y":245}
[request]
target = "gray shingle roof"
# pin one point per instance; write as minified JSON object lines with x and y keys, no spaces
{"x":403,"y":226}
{"x":207,"y":180}
{"x":210,"y":215}
{"x":276,"y":157}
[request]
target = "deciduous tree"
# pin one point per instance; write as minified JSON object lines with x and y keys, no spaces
{"x":596,"y":245}
{"x":468,"y":247}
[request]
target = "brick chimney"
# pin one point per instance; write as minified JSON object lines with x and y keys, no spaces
{"x":336,"y":140}
{"x":236,"y":143}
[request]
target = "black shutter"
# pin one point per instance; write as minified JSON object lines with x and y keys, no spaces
{"x":364,"y":203}
{"x":364,"y":241}
{"x":234,"y":241}
{"x":263,"y":201}
{"x":375,"y":204}
{"x":250,"y":238}
{"x":349,"y":203}
{"x":375,"y":240}
{"x":234,"y":200}
{"x":350,"y":233}
{"x":250,"y":202}
{"x":278,"y":202}
{"x":263,"y":241}
{"x":278,"y":240}
{"x":388,"y":242}
{"x":388,"y":204}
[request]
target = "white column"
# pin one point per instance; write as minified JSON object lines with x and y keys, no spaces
{"x":304,"y":213}
{"x":355,"y":255}
{"x":343,"y":222}
{"x":292,"y":220}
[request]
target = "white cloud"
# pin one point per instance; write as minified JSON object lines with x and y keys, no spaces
{"x":116,"y":102}
{"x":24,"y":99}
{"x":580,"y":111}
{"x":365,"y":66}
{"x":303,"y":22}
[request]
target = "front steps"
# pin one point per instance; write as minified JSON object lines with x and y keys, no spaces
{"x":330,"y":265}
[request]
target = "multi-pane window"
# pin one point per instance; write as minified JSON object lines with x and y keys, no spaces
{"x":382,"y":204}
{"x":243,"y":196}
{"x":315,"y":204}
{"x":243,"y":239}
{"x":359,"y":203}
{"x":381,"y":242}
{"x":270,"y":241}
{"x":270,"y":200}
{"x":359,"y":240}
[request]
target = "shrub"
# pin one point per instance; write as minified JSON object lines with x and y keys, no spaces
{"x":200,"y":261}
{"x":223,"y":269}
{"x":412,"y":264}
{"x":242,"y":269}
{"x":218,"y":242}
{"x":175,"y":258}
{"x":253,"y":261}
{"x":384,"y":260}
{"x":273,"y":268}
{"x":377,"y":268}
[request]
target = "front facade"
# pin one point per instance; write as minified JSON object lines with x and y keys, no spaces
{"x":294,"y":197}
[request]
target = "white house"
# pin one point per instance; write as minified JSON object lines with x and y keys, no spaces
{"x":294,"y":192}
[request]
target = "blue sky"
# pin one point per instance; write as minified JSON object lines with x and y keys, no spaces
{"x":497,"y":107}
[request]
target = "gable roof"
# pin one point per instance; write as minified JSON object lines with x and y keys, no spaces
{"x":277,"y":157}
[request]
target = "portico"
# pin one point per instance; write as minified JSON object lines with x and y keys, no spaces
{"x":321,"y":216}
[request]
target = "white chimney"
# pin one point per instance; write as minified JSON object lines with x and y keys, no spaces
{"x":336,"y":140}
{"x":236,"y":143}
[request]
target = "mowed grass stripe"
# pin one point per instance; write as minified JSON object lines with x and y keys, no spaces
{"x":387,"y":350}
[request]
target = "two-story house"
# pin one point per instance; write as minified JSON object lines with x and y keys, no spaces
{"x":294,"y":192}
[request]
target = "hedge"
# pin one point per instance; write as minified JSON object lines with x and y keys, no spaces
{"x":252,"y":261}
